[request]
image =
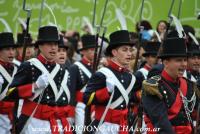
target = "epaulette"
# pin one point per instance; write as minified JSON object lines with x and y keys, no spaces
{"x":150,"y":86}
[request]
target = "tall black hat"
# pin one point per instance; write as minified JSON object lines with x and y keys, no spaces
{"x":47,"y":34}
{"x":20,"y":39}
{"x":151,"y":48}
{"x":173,"y":47}
{"x":118,"y":38}
{"x":88,"y":41}
{"x":7,"y":40}
{"x":193,"y":50}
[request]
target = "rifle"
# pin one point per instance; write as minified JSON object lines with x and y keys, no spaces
{"x":27,"y":29}
{"x":14,"y":122}
{"x":140,"y":38}
{"x":138,"y":119}
{"x":97,"y":55}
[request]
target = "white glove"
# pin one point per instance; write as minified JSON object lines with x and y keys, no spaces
{"x":42,"y":81}
{"x":110,"y":85}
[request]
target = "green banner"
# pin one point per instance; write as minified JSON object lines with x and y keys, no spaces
{"x":69,"y":14}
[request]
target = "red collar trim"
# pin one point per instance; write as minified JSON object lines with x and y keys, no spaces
{"x":44,"y":60}
{"x":19,"y":58}
{"x":166,"y":76}
{"x":147,"y":67}
{"x":86,"y":61}
{"x":116,"y":66}
{"x":6,"y":64}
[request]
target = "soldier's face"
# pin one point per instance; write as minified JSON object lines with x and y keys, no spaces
{"x":151,"y":60}
{"x":194,"y":63}
{"x":49,"y":50}
{"x":89,"y":53}
{"x":123,"y":55}
{"x":29,"y":52}
{"x":7,"y":54}
{"x":175,"y":66}
{"x":61,"y":56}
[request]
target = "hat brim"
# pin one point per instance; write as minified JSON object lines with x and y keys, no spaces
{"x":164,"y":56}
{"x":66,"y":47}
{"x":148,"y":54}
{"x":7,"y":46}
{"x":193,"y":53}
{"x":115,"y":45}
{"x":87,"y":47}
{"x":41,"y":42}
{"x":29,"y":44}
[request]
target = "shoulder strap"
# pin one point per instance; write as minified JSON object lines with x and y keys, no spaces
{"x":16,"y":62}
{"x":83,"y":68}
{"x":51,"y":75}
{"x":117,"y":102}
{"x":5,"y":74}
{"x":64,"y":87}
{"x":8,"y":78}
{"x":109,"y":74}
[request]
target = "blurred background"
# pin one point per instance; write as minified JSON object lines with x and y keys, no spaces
{"x":70,"y":14}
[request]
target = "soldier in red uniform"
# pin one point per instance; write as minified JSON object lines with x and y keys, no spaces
{"x":169,"y":99}
{"x":7,"y":72}
{"x":110,"y":87}
{"x":42,"y":83}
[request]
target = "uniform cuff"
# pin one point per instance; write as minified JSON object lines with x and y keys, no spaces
{"x":102,"y":95}
{"x":25,"y":91}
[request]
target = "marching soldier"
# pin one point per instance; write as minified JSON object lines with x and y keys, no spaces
{"x":150,"y":55}
{"x":151,"y":50}
{"x":168,"y":98}
{"x":7,"y":72}
{"x":80,"y":72}
{"x":29,"y":49}
{"x":109,"y":88}
{"x":18,"y":59}
{"x":43,"y":85}
{"x":193,"y":59}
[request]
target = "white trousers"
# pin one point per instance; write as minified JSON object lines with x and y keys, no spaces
{"x":79,"y":117}
{"x":5,"y":124}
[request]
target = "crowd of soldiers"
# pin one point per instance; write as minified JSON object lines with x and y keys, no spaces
{"x":54,"y":88}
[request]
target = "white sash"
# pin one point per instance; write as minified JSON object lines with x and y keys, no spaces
{"x":83,"y":68}
{"x":9,"y":78}
{"x":51,"y":75}
{"x":110,"y":75}
{"x":64,"y":87}
{"x":86,"y":71}
{"x":16,"y":62}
